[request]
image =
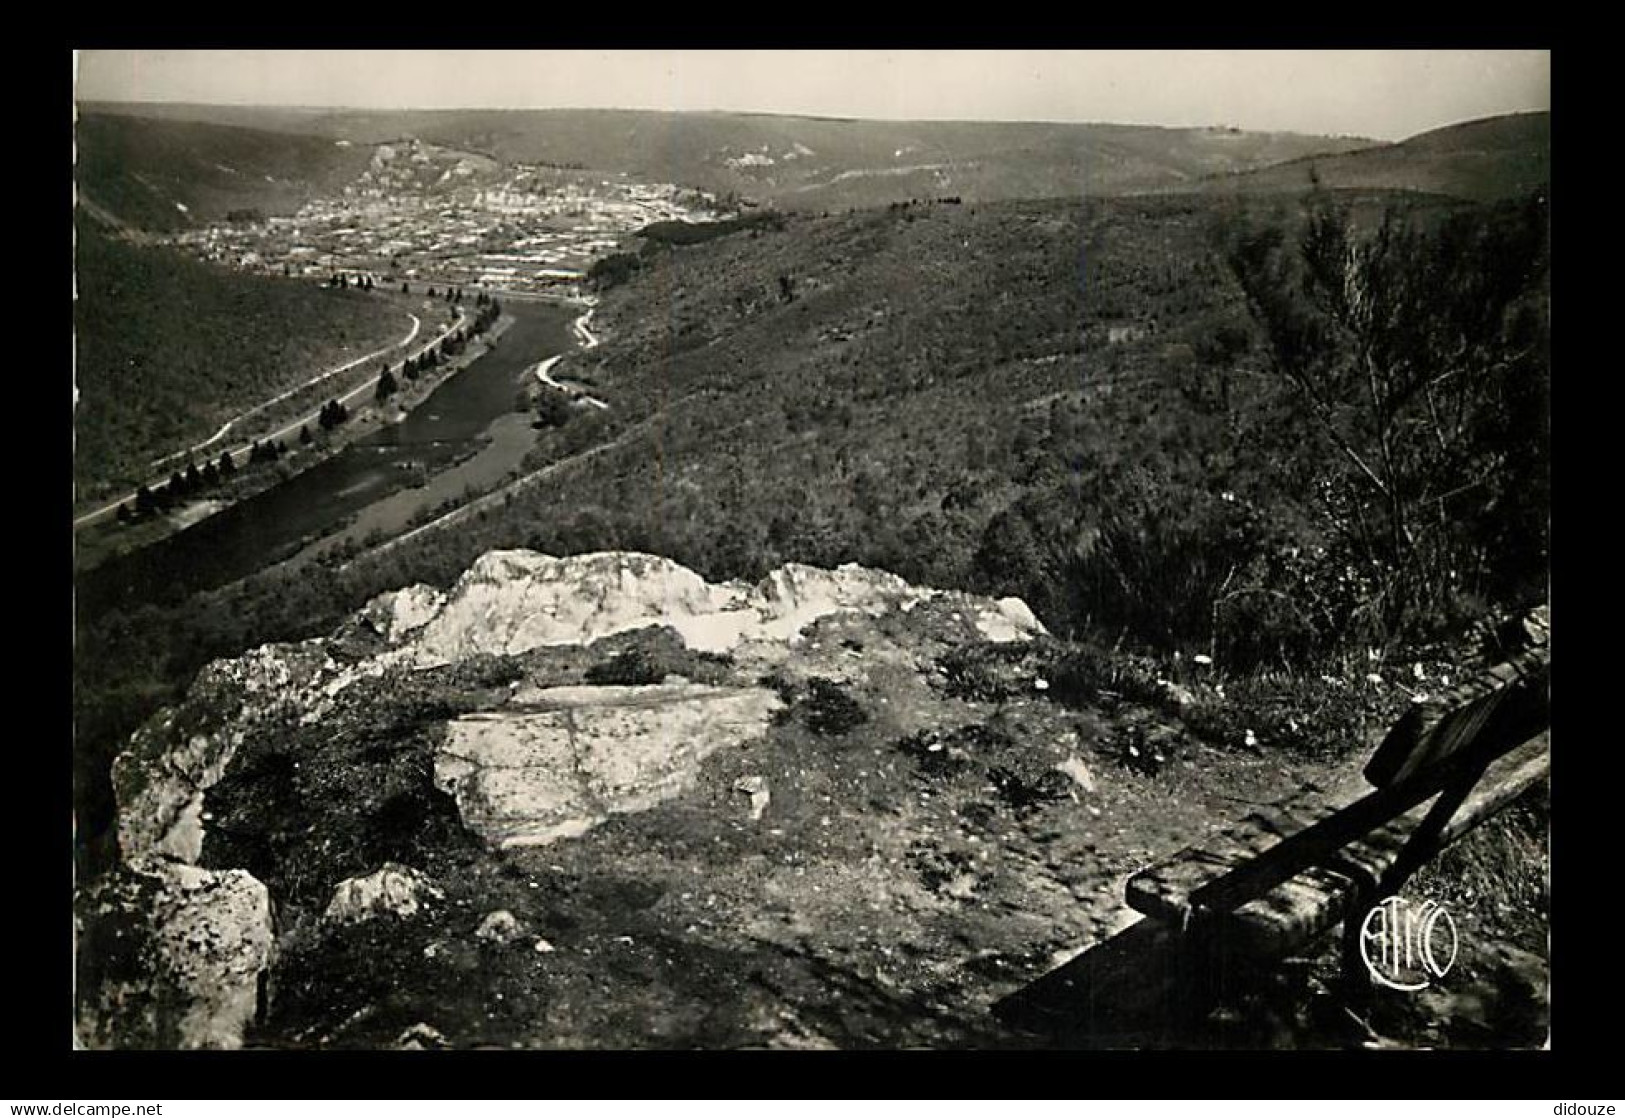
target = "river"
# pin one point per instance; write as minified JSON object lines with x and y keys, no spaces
{"x":271,"y":526}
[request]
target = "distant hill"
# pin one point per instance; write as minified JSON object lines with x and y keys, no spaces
{"x":1482,"y":160}
{"x":794,"y":162}
{"x":164,"y":175}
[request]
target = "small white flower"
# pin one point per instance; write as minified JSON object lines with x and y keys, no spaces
{"x":1202,"y":658}
{"x":1418,"y":671}
{"x":1252,"y":738}
{"x":1041,"y":684}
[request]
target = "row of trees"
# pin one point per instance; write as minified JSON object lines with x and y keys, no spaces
{"x":434,"y":356}
{"x":193,"y":480}
{"x":333,"y":414}
{"x":452,"y":295}
{"x":181,"y":485}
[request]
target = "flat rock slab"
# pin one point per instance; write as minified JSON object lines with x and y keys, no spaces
{"x":557,"y":761}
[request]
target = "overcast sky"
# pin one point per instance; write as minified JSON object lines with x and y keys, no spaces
{"x":1379,"y":94}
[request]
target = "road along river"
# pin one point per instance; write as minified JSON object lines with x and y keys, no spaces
{"x":264,"y":529}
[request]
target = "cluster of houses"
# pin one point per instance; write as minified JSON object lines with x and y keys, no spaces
{"x":424,"y":213}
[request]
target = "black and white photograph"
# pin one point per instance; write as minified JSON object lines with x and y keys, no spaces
{"x":602,"y":550}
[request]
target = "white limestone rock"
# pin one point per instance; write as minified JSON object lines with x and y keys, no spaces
{"x":170,"y":956}
{"x":555,"y":762}
{"x":394,"y":890}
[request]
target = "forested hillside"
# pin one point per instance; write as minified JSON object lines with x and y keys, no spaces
{"x":166,"y":349}
{"x":1073,"y":402}
{"x":1079,"y":404}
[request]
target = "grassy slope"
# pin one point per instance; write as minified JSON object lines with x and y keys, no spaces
{"x":942,"y":387}
{"x":942,"y":398}
{"x":745,"y":430}
{"x":167,"y":349}
{"x":1502,"y":157}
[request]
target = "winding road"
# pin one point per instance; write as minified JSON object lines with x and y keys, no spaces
{"x":169,"y":460}
{"x":109,"y":509}
{"x":546,"y":377}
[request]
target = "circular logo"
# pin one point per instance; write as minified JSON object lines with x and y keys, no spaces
{"x":1407,"y":946}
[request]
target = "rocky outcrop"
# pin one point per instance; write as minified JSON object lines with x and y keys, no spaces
{"x":513,"y":601}
{"x":556,"y":761}
{"x":181,"y":752}
{"x":471,"y":682}
{"x":510,"y":602}
{"x":398,"y":613}
{"x":499,"y":927}
{"x":169,"y":956}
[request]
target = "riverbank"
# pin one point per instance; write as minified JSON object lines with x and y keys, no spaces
{"x":302,"y":500}
{"x":475,"y":478}
{"x":96,"y":543}
{"x":254,"y":409}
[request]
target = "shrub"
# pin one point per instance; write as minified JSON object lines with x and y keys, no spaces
{"x":821,"y":704}
{"x":631,"y":668}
